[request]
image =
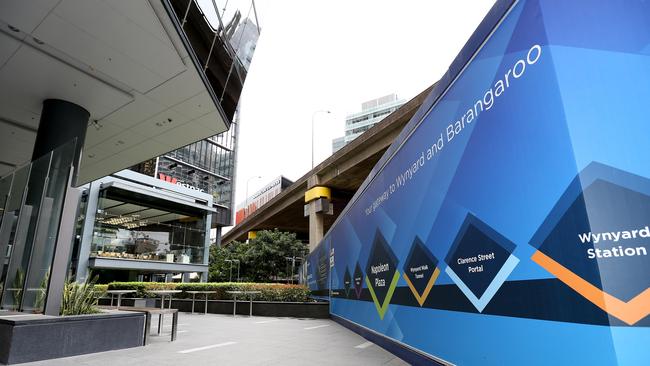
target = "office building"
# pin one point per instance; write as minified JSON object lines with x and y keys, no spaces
{"x":372,"y":112}
{"x":261,"y":197}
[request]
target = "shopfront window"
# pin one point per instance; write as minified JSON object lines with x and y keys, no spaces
{"x":130,"y":227}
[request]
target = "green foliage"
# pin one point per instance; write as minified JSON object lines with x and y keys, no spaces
{"x":100,"y":290}
{"x":263,"y":259}
{"x":18,"y":283}
{"x":79,"y":298}
{"x":269,"y":291}
{"x":40,"y":296}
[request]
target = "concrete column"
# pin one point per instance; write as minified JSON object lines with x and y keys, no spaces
{"x":316,"y":225}
{"x":61,"y":121}
{"x":317,"y":204}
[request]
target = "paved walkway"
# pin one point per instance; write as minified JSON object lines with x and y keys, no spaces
{"x":224,"y":340}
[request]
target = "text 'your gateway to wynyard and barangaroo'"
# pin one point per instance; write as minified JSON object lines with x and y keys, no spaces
{"x":454,"y":129}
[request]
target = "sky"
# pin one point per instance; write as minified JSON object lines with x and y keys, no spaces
{"x":333,"y":55}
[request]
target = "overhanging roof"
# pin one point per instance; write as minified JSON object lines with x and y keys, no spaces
{"x":124,"y":61}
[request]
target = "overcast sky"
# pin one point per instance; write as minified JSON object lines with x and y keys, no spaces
{"x":334,"y":55}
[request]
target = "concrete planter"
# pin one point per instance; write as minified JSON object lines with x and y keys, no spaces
{"x":27,"y":338}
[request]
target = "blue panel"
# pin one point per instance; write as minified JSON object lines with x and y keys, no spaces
{"x":509,"y":223}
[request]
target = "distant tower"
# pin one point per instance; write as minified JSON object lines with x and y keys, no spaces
{"x":372,"y":112}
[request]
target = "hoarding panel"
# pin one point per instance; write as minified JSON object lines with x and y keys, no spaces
{"x":511,"y":225}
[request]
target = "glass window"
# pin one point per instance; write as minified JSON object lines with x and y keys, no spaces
{"x":44,"y":242}
{"x":25,"y":232}
{"x":156,"y":231}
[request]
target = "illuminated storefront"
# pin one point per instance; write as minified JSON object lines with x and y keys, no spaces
{"x":141,"y":228}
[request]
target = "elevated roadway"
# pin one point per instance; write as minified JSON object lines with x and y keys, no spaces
{"x":343,"y":173}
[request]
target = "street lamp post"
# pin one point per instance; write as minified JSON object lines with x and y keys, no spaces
{"x":237,"y":261}
{"x":230,"y":276}
{"x":293,"y":264}
{"x":247,"y":183}
{"x":312,"y":133}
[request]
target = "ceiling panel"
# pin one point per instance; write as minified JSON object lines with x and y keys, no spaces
{"x":197,"y":129}
{"x":142,"y":14}
{"x":4,"y":170}
{"x":49,"y":78}
{"x":26,"y":18}
{"x":16,"y":144}
{"x":121,"y":60}
{"x":143,"y":150}
{"x":8,"y":46}
{"x":170,"y":217}
{"x":212,"y":121}
{"x":135,"y":112}
{"x":121,"y":141}
{"x":180,"y":88}
{"x":93,"y":154}
{"x":122,"y":34}
{"x":80,"y":45}
{"x":197,"y":106}
{"x":147,"y":149}
{"x":124,"y":209}
{"x":99,"y":132}
{"x":18,"y":115}
{"x":151,"y":213}
{"x":160,"y":123}
{"x":107,"y":202}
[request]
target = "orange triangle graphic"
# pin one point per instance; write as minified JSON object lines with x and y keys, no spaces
{"x":629,"y":312}
{"x":421,"y":299}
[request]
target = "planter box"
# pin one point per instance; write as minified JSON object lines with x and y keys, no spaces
{"x":38,"y":337}
{"x":137,"y":302}
{"x":319,"y":310}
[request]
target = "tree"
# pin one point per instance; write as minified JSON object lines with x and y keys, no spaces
{"x":263,"y":259}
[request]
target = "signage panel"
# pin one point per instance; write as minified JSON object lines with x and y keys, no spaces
{"x":510,"y":223}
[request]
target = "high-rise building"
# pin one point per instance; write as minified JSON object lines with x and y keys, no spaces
{"x":260,"y":198}
{"x":244,"y":41}
{"x":372,"y":112}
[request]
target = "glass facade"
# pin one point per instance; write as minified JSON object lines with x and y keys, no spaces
{"x":128,"y":228}
{"x":207,"y":166}
{"x":373,"y":112}
{"x":31,"y":206}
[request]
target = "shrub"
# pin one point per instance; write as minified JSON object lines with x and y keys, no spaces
{"x":79,"y":298}
{"x":269,"y":291}
{"x":100,"y":290}
{"x":142,"y":288}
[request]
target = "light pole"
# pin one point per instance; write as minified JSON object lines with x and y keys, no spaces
{"x":247,"y":183}
{"x":237,"y":261}
{"x":230,"y":276}
{"x":293,"y":264}
{"x":312,"y":133}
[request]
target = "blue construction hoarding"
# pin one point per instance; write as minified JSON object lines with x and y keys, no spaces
{"x":509,"y":222}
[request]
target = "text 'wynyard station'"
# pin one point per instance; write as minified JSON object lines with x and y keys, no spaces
{"x":454,"y":129}
{"x":614,"y":236}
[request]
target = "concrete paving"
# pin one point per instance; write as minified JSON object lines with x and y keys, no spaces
{"x":223,"y":340}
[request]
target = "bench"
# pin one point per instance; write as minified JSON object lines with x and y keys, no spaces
{"x":160,"y":312}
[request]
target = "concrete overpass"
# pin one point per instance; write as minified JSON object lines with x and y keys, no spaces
{"x":342,"y":173}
